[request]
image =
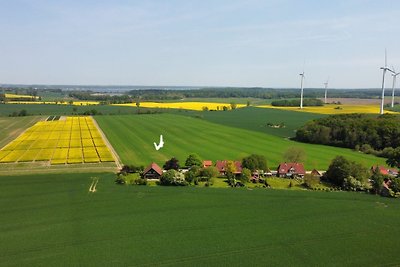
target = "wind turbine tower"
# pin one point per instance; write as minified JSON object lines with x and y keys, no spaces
{"x":326,"y":89}
{"x":394,"y":75}
{"x":384,"y":70}
{"x":301,"y":92}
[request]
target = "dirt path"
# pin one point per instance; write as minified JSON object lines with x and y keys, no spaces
{"x":113,"y":152}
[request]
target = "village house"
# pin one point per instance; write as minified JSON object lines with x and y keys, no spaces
{"x":385,"y":171}
{"x":316,"y":173}
{"x":221,"y":167}
{"x":153,"y":171}
{"x":291,"y":170}
{"x":207,"y":163}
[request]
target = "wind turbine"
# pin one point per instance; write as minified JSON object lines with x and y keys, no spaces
{"x":301,"y":93}
{"x":384,"y":69}
{"x":394,"y":75}
{"x":326,"y":89}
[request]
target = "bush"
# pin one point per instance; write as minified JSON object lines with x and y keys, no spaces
{"x":120,"y":180}
{"x":140,"y":181}
{"x":172,"y":177}
{"x":311,"y":181}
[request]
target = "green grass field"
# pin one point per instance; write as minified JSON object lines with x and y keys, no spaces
{"x":52,"y":109}
{"x":256,"y":119}
{"x":52,"y":220}
{"x":133,"y":136}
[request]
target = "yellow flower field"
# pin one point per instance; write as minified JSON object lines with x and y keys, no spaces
{"x":334,"y":109}
{"x":71,"y":140}
{"x":22,"y":97}
{"x":184,"y":105}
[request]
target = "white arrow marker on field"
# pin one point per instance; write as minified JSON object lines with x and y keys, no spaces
{"x":160,"y":145}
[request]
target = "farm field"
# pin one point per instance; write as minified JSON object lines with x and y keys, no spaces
{"x":12,"y":127}
{"x":133,"y":137}
{"x":183,"y":105}
{"x":75,"y":103}
{"x":257,"y":119}
{"x":68,"y":140}
{"x":20,"y":97}
{"x":334,"y":109}
{"x":54,"y":221}
{"x":53,"y":109}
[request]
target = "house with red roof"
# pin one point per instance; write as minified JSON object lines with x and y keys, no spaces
{"x":221,"y":167}
{"x":207,"y":163}
{"x":385,"y":171}
{"x":291,"y":170}
{"x":153,"y":171}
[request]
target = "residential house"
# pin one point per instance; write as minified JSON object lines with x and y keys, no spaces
{"x":291,"y":170}
{"x":221,"y":167}
{"x":153,"y":171}
{"x":207,"y":163}
{"x":385,"y":171}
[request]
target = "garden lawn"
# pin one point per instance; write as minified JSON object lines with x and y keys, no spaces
{"x":52,"y":220}
{"x":133,"y":137}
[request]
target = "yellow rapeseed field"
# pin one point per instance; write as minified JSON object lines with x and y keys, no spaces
{"x":184,"y":105}
{"x":334,"y":109}
{"x":14,"y":96}
{"x":69,"y":140}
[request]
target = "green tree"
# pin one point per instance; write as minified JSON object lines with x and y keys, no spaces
{"x":168,"y":177}
{"x":338,"y":170}
{"x":255,"y":162}
{"x":245,"y":176}
{"x":192,"y":175}
{"x":294,"y":154}
{"x":173,"y":163}
{"x":208,"y":173}
{"x":394,"y":158}
{"x":347,"y":174}
{"x":193,"y":160}
{"x":230,"y":170}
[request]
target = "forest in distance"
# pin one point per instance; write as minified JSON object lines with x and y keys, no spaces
{"x":112,"y":94}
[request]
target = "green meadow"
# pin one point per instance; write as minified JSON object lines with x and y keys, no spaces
{"x":52,"y":220}
{"x":133,"y":136}
{"x":257,"y":119}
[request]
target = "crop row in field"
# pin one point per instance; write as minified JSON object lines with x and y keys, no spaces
{"x":185,"y":105}
{"x":73,"y":140}
{"x":334,"y":109}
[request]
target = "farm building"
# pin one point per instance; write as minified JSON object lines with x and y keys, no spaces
{"x":221,"y":167}
{"x":291,"y":170}
{"x":207,"y":163}
{"x":316,"y":172}
{"x":385,"y":171}
{"x":153,"y":171}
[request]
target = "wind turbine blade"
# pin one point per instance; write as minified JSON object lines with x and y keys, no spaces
{"x":385,"y":58}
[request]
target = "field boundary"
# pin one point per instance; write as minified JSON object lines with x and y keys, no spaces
{"x":110,"y":147}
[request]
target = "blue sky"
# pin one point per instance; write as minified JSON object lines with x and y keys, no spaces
{"x":198,"y":43}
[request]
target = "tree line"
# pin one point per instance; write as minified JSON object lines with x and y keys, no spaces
{"x":307,"y":102}
{"x":353,"y":131}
